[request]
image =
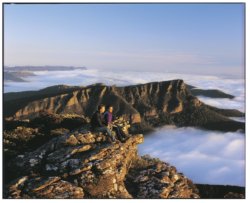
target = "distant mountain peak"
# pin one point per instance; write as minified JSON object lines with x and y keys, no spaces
{"x":43,"y":68}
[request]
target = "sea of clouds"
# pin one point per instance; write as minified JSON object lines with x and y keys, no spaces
{"x":207,"y":157}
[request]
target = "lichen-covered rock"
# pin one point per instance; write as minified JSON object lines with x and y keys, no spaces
{"x":151,"y":178}
{"x":82,"y":164}
{"x":44,"y":188}
{"x":79,"y":159}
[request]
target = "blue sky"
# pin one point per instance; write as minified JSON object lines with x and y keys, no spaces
{"x":190,"y":38}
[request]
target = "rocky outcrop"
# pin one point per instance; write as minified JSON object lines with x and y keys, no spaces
{"x":156,"y":103}
{"x":77,"y":160}
{"x":152,"y":178}
{"x":82,"y":164}
{"x":47,"y":188}
{"x":24,"y":136}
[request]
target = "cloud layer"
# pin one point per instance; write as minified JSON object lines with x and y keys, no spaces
{"x":203,"y":156}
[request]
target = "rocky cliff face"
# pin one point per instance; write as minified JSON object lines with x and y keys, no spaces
{"x":152,"y":178}
{"x":82,"y":164}
{"x":146,"y":99}
{"x":153,"y":104}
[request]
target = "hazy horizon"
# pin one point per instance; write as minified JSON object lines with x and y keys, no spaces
{"x":188,"y":38}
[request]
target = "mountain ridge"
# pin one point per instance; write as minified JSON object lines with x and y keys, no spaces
{"x":167,"y":102}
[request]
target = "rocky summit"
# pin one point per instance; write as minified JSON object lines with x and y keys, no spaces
{"x":82,"y":164}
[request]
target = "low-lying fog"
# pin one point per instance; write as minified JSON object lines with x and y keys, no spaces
{"x":203,"y":156}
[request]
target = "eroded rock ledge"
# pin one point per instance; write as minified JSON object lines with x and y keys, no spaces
{"x":81,"y":164}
